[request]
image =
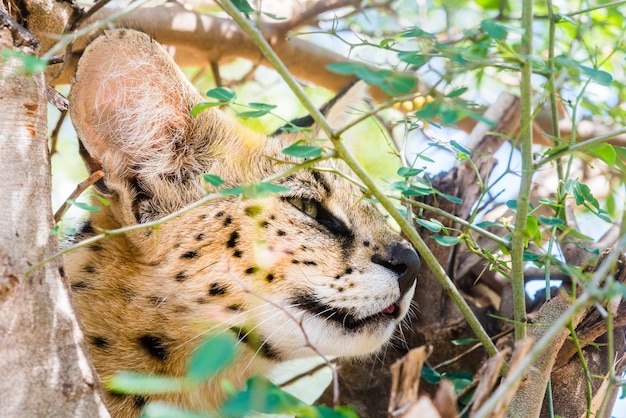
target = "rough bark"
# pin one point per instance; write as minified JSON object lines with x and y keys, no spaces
{"x":45,"y":367}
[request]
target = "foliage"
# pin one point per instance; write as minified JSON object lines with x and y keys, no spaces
{"x":440,"y":72}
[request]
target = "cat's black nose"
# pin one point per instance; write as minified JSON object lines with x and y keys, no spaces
{"x":403,"y":260}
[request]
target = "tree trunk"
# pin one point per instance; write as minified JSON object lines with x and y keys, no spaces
{"x":45,"y":368}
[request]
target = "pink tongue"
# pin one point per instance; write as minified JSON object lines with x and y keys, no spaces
{"x":389,"y":309}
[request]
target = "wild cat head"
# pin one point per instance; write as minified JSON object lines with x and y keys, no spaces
{"x":312,"y":265}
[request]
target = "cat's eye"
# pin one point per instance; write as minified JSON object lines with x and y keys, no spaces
{"x":309,"y":207}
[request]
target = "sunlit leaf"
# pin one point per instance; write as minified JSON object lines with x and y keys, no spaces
{"x":143,"y":384}
{"x":210,"y":357}
{"x":445,"y":240}
{"x":493,"y":29}
{"x":431,"y":226}
{"x":605,"y":152}
{"x":409,"y":171}
{"x":222,"y":94}
{"x":243,"y":6}
{"x":303,"y":151}
{"x":84,"y":206}
{"x":431,"y":376}
{"x":213,"y":179}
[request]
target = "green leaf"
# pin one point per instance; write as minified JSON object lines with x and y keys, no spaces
{"x":210,"y":357}
{"x":488,"y":224}
{"x":418,"y":33}
{"x":551,"y":221}
{"x":417,"y":191}
{"x":412,"y":57}
{"x":605,"y":152}
{"x":460,"y":379}
{"x":464,"y":341}
{"x":261,"y":396}
{"x":511,"y":204}
{"x":431,"y":376}
{"x":599,"y":76}
{"x":532,"y":231}
{"x":30,"y":63}
{"x":213,"y":179}
{"x":409,"y":171}
{"x":459,"y":148}
{"x":431,"y":226}
{"x":303,"y":151}
{"x":493,"y":29}
{"x":222,"y":94}
{"x":143,"y":384}
{"x":392,"y":83}
{"x":84,"y":206}
{"x":243,"y":6}
{"x":456,"y":92}
{"x":195,"y":111}
{"x":101,"y":199}
{"x":262,"y":106}
{"x":528,"y":256}
{"x":345,"y":68}
{"x":253,"y":113}
{"x":255,"y":190}
{"x":454,"y":199}
{"x":445,"y":240}
{"x":429,"y":111}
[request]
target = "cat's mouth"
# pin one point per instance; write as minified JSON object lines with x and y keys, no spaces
{"x":343,"y":317}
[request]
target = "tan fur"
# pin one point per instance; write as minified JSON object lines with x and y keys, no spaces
{"x":147,"y":298}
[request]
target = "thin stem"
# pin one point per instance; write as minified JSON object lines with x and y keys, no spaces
{"x":344,"y":154}
{"x":579,"y":146}
{"x":597,"y":7}
{"x":523,"y":202}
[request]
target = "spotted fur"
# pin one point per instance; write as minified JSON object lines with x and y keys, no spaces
{"x":316,"y":260}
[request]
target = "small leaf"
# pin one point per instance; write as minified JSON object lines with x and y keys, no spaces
{"x":252,"y":113}
{"x":429,"y":111}
{"x":195,"y":111}
{"x":431,"y":376}
{"x":528,"y":256}
{"x":605,"y":152}
{"x":143,"y":384}
{"x":445,"y":240}
{"x":262,"y":106}
{"x":459,"y":148}
{"x":488,"y":224}
{"x":456,"y":92}
{"x":262,"y":396}
{"x":550,"y":221}
{"x":464,"y":341}
{"x":409,"y":171}
{"x":84,"y":206}
{"x":431,"y":226}
{"x":30,"y":63}
{"x":418,"y":33}
{"x":417,"y":191}
{"x":450,"y":198}
{"x":303,"y":151}
{"x":213,"y":179}
{"x":493,"y":29}
{"x":222,"y":94}
{"x":211,"y":356}
{"x":511,"y":204}
{"x":243,"y":6}
{"x":412,"y":57}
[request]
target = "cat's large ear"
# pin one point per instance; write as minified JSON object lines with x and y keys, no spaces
{"x":130,"y":105}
